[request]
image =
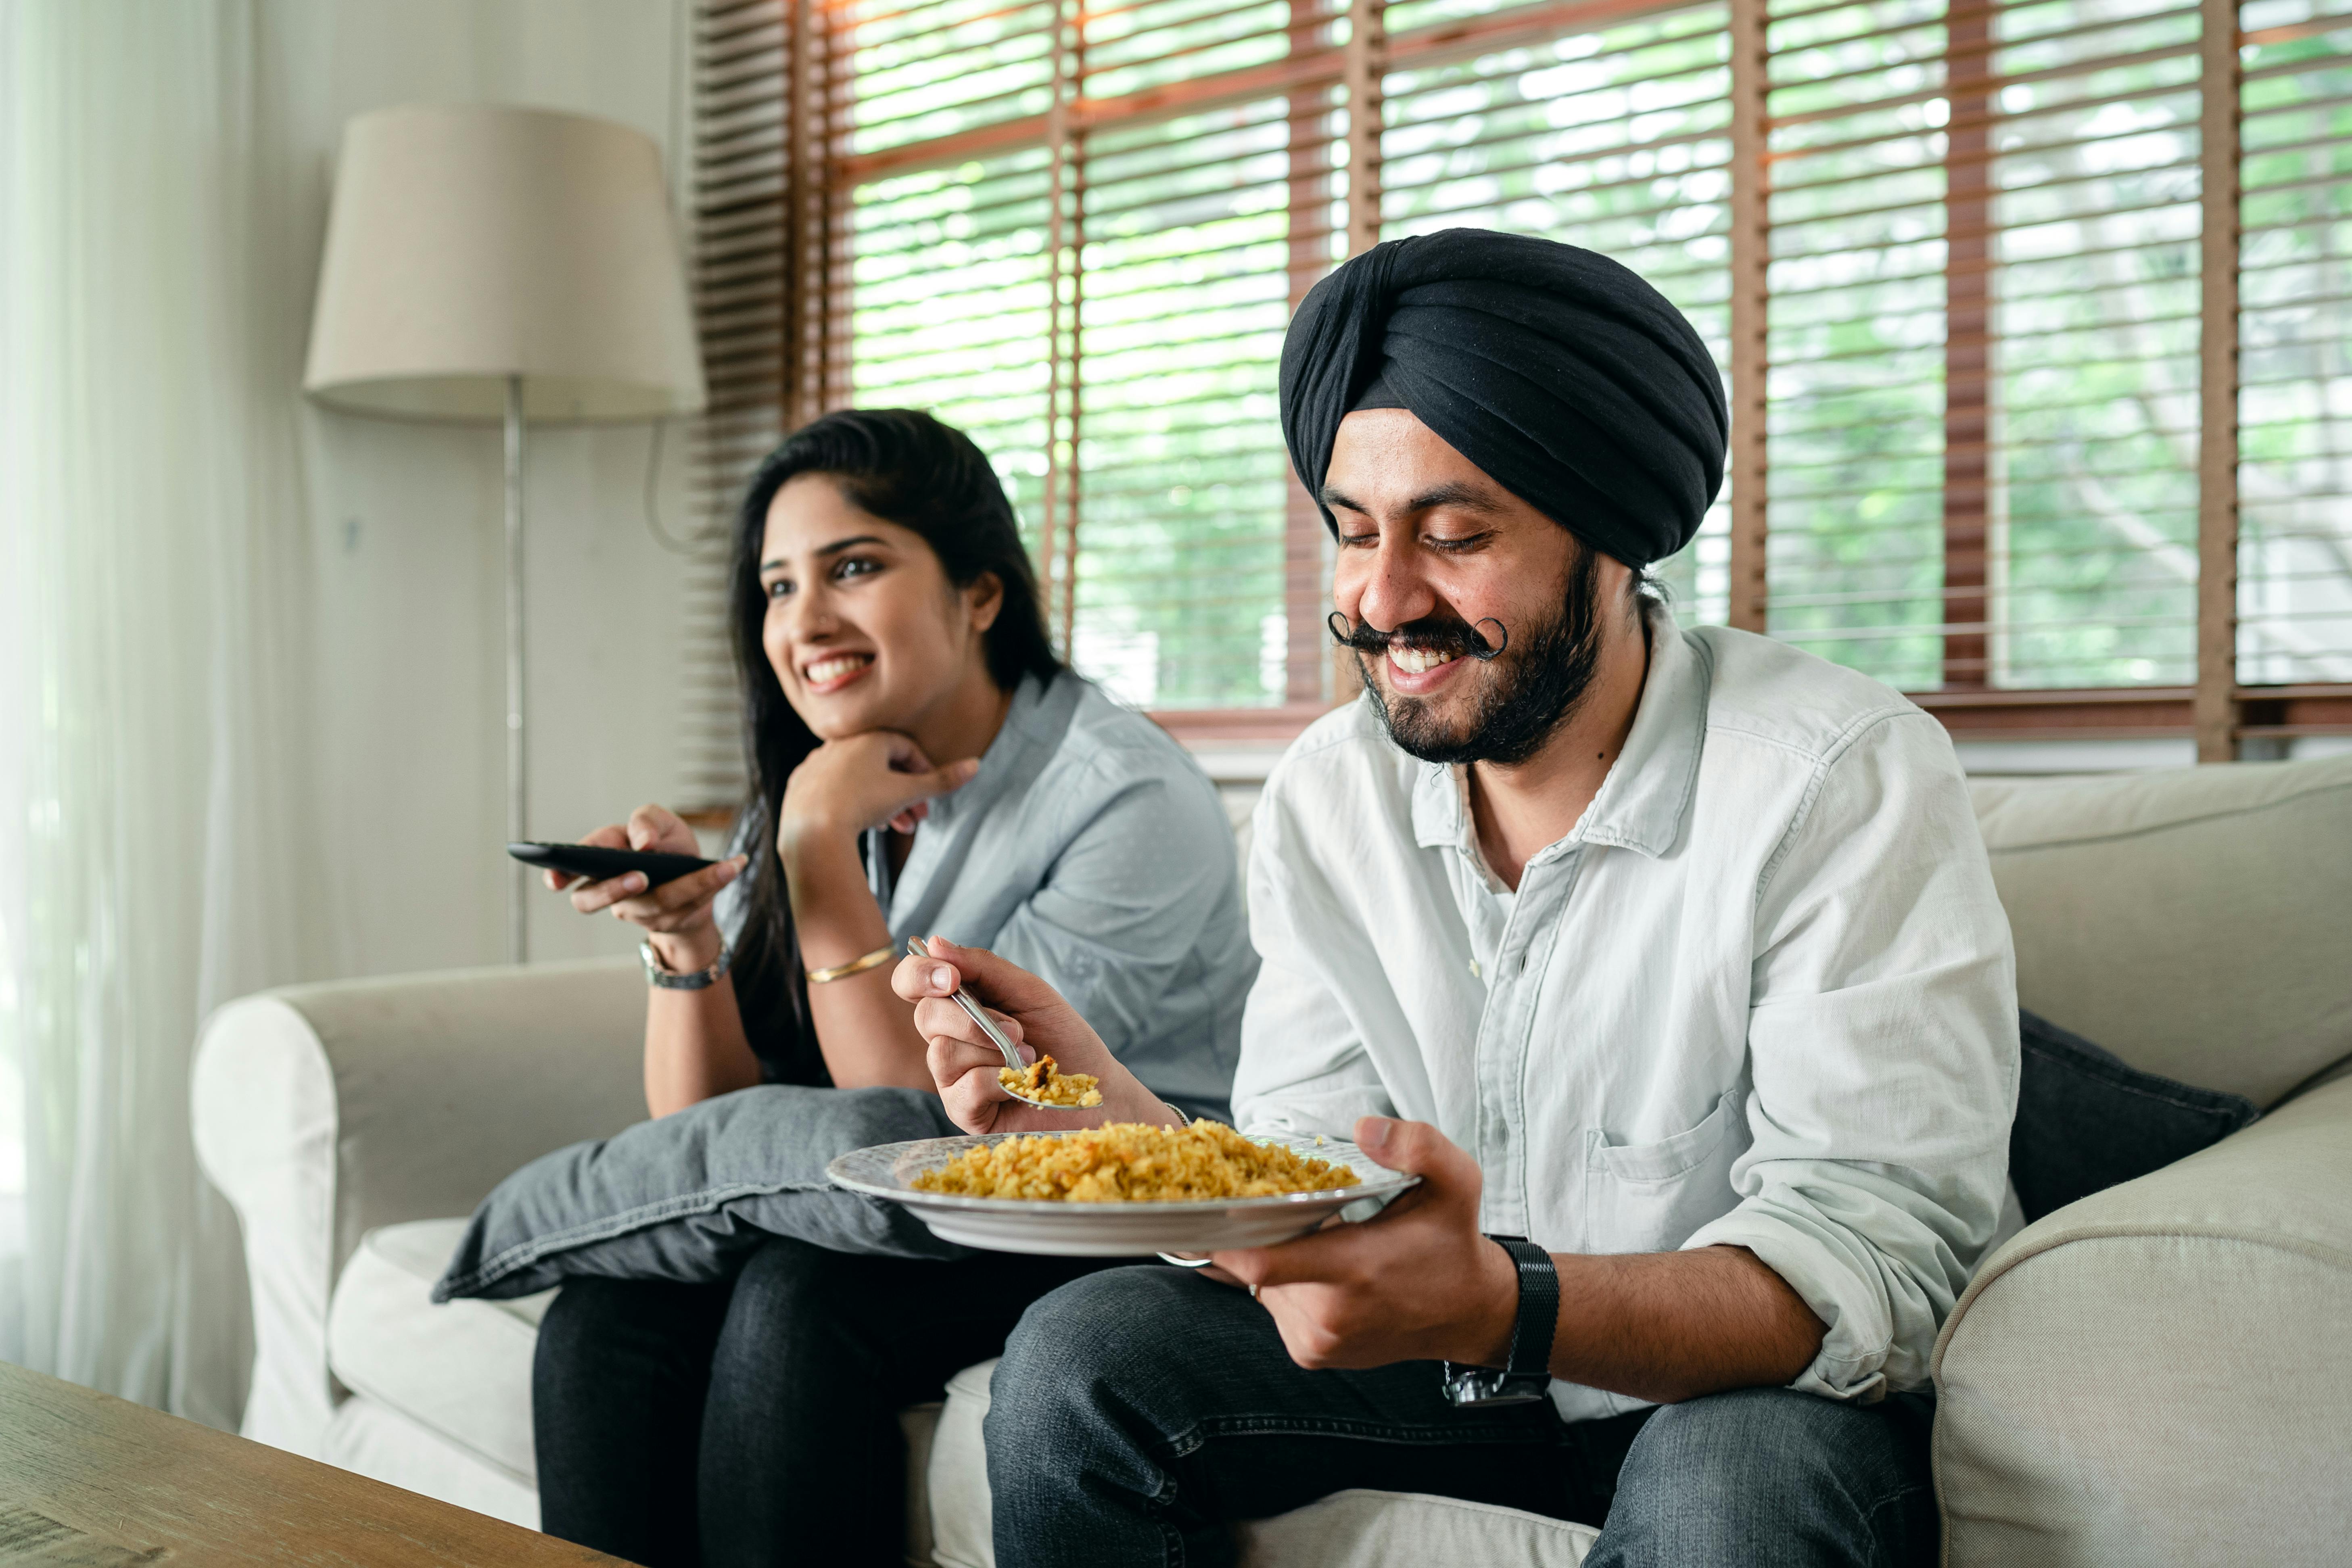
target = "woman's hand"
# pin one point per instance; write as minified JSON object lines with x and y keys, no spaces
{"x":677,"y":914}
{"x":846,"y":786}
{"x":1034,"y":1016}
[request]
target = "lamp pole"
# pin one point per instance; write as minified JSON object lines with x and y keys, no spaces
{"x":471,"y":245}
{"x":518,"y":875}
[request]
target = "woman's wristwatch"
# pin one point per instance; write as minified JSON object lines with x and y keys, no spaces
{"x":1527,"y":1377}
{"x":667,"y":979}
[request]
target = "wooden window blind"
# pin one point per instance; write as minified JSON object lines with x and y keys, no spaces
{"x":738,"y":193}
{"x":1615,"y":135}
{"x":2086,"y":233}
{"x":2033,"y":312}
{"x":947,"y":295}
{"x":1070,"y":234}
{"x":2294,"y":554}
{"x":1171,"y":582}
{"x":1984,"y":340}
{"x":1855,"y":395}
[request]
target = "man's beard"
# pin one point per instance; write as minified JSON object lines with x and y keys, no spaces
{"x":1538,"y":680}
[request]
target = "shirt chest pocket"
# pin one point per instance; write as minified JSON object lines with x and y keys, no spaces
{"x":1650,"y":1197}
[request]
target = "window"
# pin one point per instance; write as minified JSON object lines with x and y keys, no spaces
{"x":1117,"y":183}
{"x":2017,"y":427}
{"x":1616,"y":137}
{"x":2294,"y":554}
{"x":1984,"y":340}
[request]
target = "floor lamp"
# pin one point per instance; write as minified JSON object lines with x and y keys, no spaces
{"x":488,"y":264}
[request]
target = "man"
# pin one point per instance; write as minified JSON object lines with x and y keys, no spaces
{"x":1673,"y":952}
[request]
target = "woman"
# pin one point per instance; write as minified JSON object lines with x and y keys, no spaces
{"x":921,"y":762}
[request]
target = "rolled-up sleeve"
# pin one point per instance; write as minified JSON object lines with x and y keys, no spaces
{"x":1884,"y":1050}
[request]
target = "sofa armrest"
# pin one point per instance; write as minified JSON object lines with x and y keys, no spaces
{"x":2158,"y":1372}
{"x":324,"y":1111}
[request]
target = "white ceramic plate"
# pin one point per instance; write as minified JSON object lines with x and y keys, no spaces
{"x":1111,"y":1230}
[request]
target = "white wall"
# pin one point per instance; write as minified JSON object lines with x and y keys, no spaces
{"x":406,"y":535}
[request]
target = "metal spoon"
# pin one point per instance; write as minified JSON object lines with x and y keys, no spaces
{"x":978,"y":1016}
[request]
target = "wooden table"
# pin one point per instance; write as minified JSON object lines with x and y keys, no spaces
{"x":93,"y":1481}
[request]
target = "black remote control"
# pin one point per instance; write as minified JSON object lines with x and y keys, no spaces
{"x":599,"y":864}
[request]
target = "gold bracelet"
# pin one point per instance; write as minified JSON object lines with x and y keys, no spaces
{"x":855,"y":966}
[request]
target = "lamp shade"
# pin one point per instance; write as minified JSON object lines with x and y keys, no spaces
{"x":472,"y":243}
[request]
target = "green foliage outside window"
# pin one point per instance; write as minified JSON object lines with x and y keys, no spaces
{"x":1618,"y":140}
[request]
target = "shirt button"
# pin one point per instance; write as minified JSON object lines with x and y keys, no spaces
{"x":1473,"y":968}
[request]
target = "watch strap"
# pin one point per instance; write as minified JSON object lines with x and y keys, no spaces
{"x":666,"y":979}
{"x":1526,"y":1376}
{"x":1538,"y":1316}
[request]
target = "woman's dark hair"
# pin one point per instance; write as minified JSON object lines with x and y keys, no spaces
{"x":904,"y":467}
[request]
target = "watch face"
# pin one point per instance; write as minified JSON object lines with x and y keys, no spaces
{"x":1473,"y":1387}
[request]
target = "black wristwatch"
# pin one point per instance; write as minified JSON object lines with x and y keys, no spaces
{"x":1529,"y":1375}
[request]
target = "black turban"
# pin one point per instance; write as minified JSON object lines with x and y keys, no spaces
{"x":1560,"y":372}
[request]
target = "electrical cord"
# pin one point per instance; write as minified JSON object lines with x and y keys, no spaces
{"x":692,"y":544}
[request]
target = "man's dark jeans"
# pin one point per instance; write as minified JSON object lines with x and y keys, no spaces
{"x":757,"y":1422}
{"x":1138,"y":1412}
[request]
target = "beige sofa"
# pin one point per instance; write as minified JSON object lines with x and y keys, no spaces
{"x":2161,"y":1373}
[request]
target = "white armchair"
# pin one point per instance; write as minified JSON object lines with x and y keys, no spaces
{"x":2155,"y":1374}
{"x":327,"y":1112}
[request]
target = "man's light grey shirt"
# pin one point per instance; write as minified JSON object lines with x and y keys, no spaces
{"x":1091,"y":850}
{"x":1762,"y":993}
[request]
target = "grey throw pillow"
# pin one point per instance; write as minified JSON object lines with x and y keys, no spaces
{"x":686,"y":1197}
{"x":2087,"y":1120}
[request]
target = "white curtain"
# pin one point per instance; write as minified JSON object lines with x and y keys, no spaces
{"x":155,"y":842}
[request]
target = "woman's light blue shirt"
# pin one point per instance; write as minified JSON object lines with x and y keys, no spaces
{"x":1092,"y":850}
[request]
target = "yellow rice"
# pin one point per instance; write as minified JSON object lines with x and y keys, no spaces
{"x":1129,"y":1161}
{"x":1043,"y":1079}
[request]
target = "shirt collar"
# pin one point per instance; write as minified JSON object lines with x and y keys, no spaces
{"x":1648,"y":792}
{"x":1022,"y":727}
{"x":1642,"y":803}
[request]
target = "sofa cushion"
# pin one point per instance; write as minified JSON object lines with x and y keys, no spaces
{"x":1365,"y":1529}
{"x":379,"y":1442}
{"x":2190,"y":921}
{"x":2087,"y":1121}
{"x":1357,"y":1529}
{"x":462,"y":1371}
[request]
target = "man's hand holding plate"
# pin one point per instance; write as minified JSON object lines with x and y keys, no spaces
{"x":1416,"y":1283}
